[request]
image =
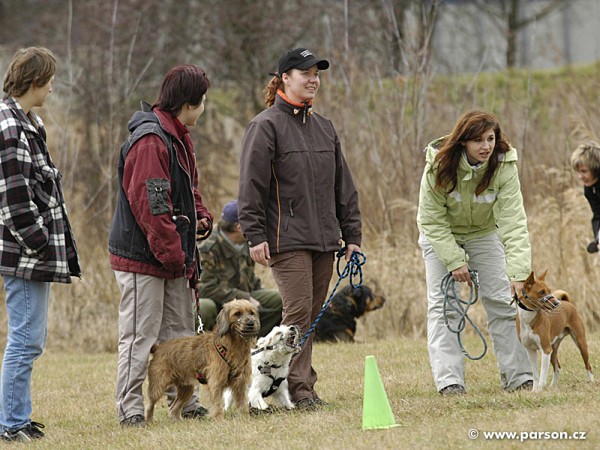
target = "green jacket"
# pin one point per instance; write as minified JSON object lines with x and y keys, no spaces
{"x":448,"y":219}
{"x":227,"y":273}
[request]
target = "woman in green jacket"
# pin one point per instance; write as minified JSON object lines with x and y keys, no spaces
{"x":471,"y":218}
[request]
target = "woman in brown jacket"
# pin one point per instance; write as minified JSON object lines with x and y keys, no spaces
{"x":297,"y":201}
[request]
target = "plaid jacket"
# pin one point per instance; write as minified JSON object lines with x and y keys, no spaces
{"x":36,"y":240}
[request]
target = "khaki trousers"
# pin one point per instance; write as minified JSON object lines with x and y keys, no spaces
{"x":303,"y":280}
{"x":152,"y":310}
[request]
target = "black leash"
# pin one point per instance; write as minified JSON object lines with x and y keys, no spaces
{"x":449,"y":289}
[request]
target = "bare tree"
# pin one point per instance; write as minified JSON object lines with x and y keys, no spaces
{"x":511,"y":17}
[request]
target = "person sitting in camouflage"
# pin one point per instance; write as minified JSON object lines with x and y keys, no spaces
{"x":228,"y":273}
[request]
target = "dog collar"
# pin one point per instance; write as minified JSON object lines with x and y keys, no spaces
{"x":520,"y":303}
{"x":544,"y":301}
{"x":262,"y":349}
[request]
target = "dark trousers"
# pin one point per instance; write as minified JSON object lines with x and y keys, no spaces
{"x":303,"y":280}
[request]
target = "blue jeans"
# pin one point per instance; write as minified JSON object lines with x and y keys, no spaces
{"x":27,"y":311}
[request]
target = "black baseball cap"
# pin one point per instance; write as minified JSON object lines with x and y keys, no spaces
{"x":300,"y":58}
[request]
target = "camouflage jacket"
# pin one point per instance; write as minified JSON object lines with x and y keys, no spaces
{"x":227,"y":273}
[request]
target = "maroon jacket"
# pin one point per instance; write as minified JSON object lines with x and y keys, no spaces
{"x":295,"y":189}
{"x":148,"y":160}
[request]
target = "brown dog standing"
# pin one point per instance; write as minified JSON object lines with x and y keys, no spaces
{"x":219,"y":359}
{"x":543,"y":320}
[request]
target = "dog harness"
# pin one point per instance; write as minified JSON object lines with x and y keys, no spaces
{"x":266,"y":370}
{"x":222,"y":351}
{"x":201,"y":378}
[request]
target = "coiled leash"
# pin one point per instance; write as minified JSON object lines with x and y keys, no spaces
{"x":352,"y":271}
{"x":453,"y":302}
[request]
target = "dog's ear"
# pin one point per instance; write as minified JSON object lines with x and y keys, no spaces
{"x":223,"y":320}
{"x":273,"y":337}
{"x":361,"y":293}
{"x":542,"y":277}
{"x":268,"y":339}
{"x":530,"y":279}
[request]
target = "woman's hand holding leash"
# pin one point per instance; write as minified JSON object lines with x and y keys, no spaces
{"x":462,"y":275}
{"x":351,"y":248}
{"x":260,"y":253}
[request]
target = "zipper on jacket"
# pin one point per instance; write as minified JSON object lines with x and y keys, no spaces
{"x":278,"y":205}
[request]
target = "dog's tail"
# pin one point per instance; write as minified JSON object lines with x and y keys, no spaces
{"x":561,"y":295}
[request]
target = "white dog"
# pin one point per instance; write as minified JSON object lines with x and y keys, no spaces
{"x":270,"y":367}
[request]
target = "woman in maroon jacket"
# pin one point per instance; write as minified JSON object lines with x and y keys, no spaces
{"x":153,"y":233}
{"x":296,"y":200}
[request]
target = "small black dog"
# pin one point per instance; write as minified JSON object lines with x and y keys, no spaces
{"x":338,"y":322}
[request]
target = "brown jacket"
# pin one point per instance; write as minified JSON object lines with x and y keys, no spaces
{"x":295,"y":189}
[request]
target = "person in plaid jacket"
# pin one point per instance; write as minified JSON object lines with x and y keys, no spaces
{"x":37,"y":246}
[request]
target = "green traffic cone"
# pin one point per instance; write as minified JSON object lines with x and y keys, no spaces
{"x":377,"y":413}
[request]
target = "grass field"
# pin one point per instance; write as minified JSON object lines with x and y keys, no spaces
{"x":73,"y":395}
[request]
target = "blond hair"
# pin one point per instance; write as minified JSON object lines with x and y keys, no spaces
{"x":31,"y":66}
{"x":587,"y":154}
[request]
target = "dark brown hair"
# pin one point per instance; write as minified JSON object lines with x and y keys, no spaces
{"x":469,"y":126}
{"x":31,"y":66}
{"x":182,"y":84}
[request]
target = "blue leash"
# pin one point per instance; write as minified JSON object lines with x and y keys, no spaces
{"x":457,"y":306}
{"x":352,"y":271}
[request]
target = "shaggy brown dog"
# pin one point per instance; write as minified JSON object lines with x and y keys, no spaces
{"x":219,"y":359}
